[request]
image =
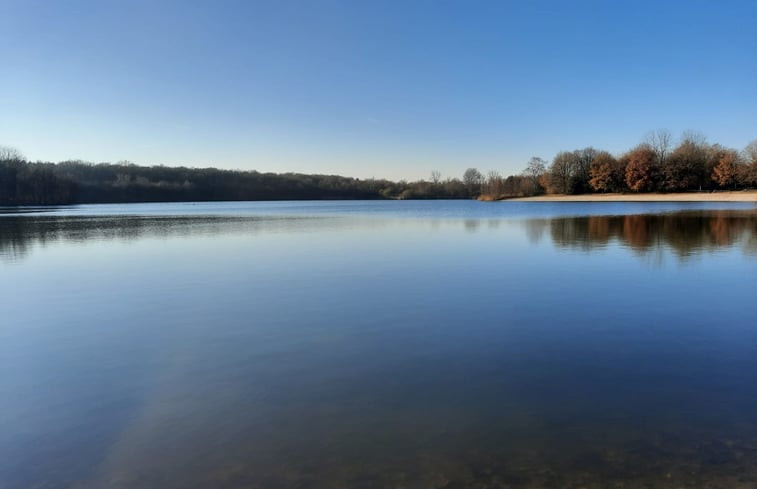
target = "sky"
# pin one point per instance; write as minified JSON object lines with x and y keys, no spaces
{"x":367,"y":88}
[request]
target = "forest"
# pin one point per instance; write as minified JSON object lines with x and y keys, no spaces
{"x":655,"y":165}
{"x":24,"y":182}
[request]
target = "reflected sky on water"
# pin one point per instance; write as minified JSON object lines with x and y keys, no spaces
{"x":379,"y":344}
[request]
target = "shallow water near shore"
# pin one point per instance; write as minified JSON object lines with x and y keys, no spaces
{"x":379,"y":344}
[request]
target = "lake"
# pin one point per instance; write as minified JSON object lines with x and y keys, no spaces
{"x":401,"y":344}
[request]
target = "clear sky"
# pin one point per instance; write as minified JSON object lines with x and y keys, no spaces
{"x":384,"y":89}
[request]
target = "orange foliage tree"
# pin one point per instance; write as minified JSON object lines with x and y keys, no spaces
{"x":728,"y":169}
{"x":640,"y":169}
{"x":603,"y":172}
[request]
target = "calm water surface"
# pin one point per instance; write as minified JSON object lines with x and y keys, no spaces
{"x":379,"y":344}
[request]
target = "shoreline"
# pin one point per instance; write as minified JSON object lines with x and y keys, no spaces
{"x":720,"y":196}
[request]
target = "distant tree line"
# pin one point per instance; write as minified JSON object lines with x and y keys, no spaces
{"x":653,"y":166}
{"x":24,"y":182}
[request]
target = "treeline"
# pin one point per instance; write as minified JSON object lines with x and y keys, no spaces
{"x":38,"y":183}
{"x":655,"y":165}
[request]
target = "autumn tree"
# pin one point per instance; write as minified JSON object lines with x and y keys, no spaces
{"x":728,"y":170}
{"x":545,"y":181}
{"x":640,"y":169}
{"x":603,"y":173}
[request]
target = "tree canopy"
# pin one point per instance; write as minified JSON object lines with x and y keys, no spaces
{"x":653,"y":166}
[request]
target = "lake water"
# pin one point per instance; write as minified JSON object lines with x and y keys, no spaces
{"x":379,"y":344}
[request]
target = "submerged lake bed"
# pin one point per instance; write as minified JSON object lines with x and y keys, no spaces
{"x":416,"y":344}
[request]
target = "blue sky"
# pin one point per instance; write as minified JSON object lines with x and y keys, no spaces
{"x":384,"y":89}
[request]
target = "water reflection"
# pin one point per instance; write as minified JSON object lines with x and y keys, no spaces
{"x":20,"y":235}
{"x":685,"y":233}
{"x":351,"y":351}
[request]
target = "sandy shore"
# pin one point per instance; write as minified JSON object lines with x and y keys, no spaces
{"x":740,"y":196}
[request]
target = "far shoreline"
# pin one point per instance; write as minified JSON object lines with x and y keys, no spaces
{"x":718,"y":196}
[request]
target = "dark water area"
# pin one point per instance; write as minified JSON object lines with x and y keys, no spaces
{"x":379,"y":344}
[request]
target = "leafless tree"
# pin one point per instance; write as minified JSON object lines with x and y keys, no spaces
{"x":10,"y":154}
{"x":494,"y":184}
{"x":694,"y":137}
{"x":436,"y":176}
{"x":583,"y":159}
{"x":472,"y":178}
{"x":660,"y":141}
{"x":749,"y":177}
{"x":561,"y":172}
{"x":535,"y":168}
{"x":750,"y":153}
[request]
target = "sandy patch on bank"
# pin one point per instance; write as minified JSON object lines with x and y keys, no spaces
{"x":740,"y":196}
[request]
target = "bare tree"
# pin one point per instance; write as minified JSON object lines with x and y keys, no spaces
{"x":10,"y":154}
{"x":750,"y":153}
{"x":494,"y":184}
{"x":535,"y":168}
{"x":749,"y":177}
{"x":472,"y":178}
{"x":436,"y":176}
{"x":561,"y":172}
{"x":694,"y":137}
{"x":583,"y":159}
{"x":660,"y":141}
